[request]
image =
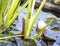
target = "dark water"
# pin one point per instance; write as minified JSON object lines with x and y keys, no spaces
{"x":42,"y":17}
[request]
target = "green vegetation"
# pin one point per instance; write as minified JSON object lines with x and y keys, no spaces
{"x":11,"y":9}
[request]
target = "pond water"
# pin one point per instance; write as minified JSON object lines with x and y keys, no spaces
{"x":42,"y":17}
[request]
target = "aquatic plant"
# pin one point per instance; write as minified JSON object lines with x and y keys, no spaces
{"x":32,"y":19}
{"x":10,"y":9}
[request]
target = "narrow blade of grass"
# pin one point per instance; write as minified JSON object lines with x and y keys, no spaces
{"x":6,"y":9}
{"x":32,"y":20}
{"x":30,"y":12}
{"x":8,"y":37}
{"x":3,"y":4}
{"x":42,"y":30}
{"x":18,"y":11}
{"x":0,"y":4}
{"x":0,"y":13}
{"x":0,"y":19}
{"x":11,"y":11}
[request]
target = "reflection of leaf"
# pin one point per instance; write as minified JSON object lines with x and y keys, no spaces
{"x":49,"y":19}
{"x":55,"y":29}
{"x":58,"y":21}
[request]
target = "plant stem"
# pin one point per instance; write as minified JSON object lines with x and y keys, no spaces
{"x":30,"y":12}
{"x":32,"y":20}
